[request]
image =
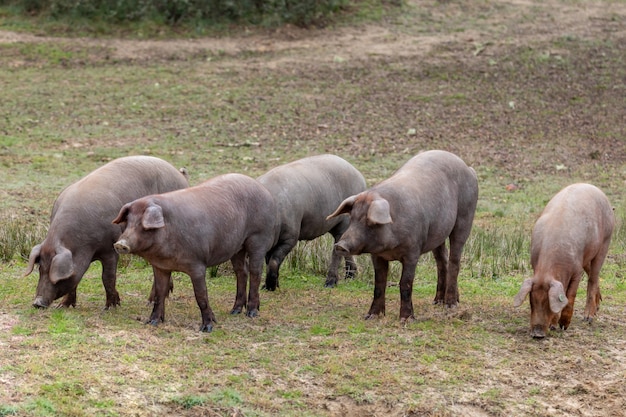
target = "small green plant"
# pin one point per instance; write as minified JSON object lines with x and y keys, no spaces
{"x":190,"y":401}
{"x":8,"y":410}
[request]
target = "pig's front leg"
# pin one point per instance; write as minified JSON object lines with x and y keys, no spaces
{"x":69,"y":300}
{"x":109,"y":278}
{"x":406,"y":289}
{"x":161,"y":287}
{"x":153,"y":289}
{"x":198,"y":280}
{"x":381,"y":268}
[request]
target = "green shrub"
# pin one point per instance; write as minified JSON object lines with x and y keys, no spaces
{"x":270,"y":12}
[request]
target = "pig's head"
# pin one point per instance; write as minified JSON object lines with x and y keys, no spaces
{"x":370,"y":220}
{"x":57,"y":275}
{"x":547,"y":299}
{"x":143,"y":218}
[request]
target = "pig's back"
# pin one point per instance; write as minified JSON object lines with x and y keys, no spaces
{"x":307,"y":190}
{"x":103,"y":191}
{"x":576,"y":221}
{"x":437,"y":181}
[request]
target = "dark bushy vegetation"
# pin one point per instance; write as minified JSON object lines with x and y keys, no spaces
{"x":173,"y":12}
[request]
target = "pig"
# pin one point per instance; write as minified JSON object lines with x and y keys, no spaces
{"x":572,"y":234}
{"x":81,"y":232}
{"x":431,"y":198}
{"x":231,"y":216}
{"x":305,"y":191}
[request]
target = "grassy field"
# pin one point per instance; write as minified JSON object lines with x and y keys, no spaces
{"x":531,"y":94}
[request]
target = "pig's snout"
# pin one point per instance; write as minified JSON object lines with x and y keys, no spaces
{"x":342,"y":249}
{"x":40,"y":302}
{"x":122,"y":247}
{"x":538,"y":332}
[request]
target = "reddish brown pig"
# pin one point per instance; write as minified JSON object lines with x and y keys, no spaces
{"x":231,"y":216}
{"x":428,"y":200}
{"x":572,"y":234}
{"x":305,"y":191}
{"x":80,"y":229}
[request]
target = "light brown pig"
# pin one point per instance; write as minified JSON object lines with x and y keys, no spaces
{"x":431,"y":199}
{"x":572,"y":234}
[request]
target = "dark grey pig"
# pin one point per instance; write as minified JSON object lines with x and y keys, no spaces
{"x":572,"y":234}
{"x":428,"y":200}
{"x":305,"y":191}
{"x":231,"y":216}
{"x":80,"y":229}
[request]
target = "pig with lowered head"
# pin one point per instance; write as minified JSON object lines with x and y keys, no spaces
{"x":572,"y":234}
{"x":80,"y":229}
{"x":305,"y":191}
{"x":230,"y":216}
{"x":430,"y":199}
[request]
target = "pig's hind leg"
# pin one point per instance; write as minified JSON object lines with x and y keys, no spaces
{"x":440,"y":254}
{"x":240,"y":266}
{"x":593,"y":284}
{"x":457,"y":240}
{"x":255,"y":266}
{"x":275,"y":258}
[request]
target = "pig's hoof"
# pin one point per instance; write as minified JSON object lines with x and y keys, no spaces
{"x":253,"y":313}
{"x":268,"y":287}
{"x":153,"y":322}
{"x":371,"y":316}
{"x":588,"y":319}
{"x":407,"y":320}
{"x":350,"y":274}
{"x":236,"y":310}
{"x":330,"y":284}
{"x":207,"y":328}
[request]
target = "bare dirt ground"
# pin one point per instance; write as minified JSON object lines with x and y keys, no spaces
{"x":505,"y":23}
{"x":438,"y":30}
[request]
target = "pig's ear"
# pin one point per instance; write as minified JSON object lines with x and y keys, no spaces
{"x":378,"y":213}
{"x":121,"y":217}
{"x":62,"y":266}
{"x":153,"y":217}
{"x":557,"y":297}
{"x":33,"y":259}
{"x":344,"y":207}
{"x":527,"y":285}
